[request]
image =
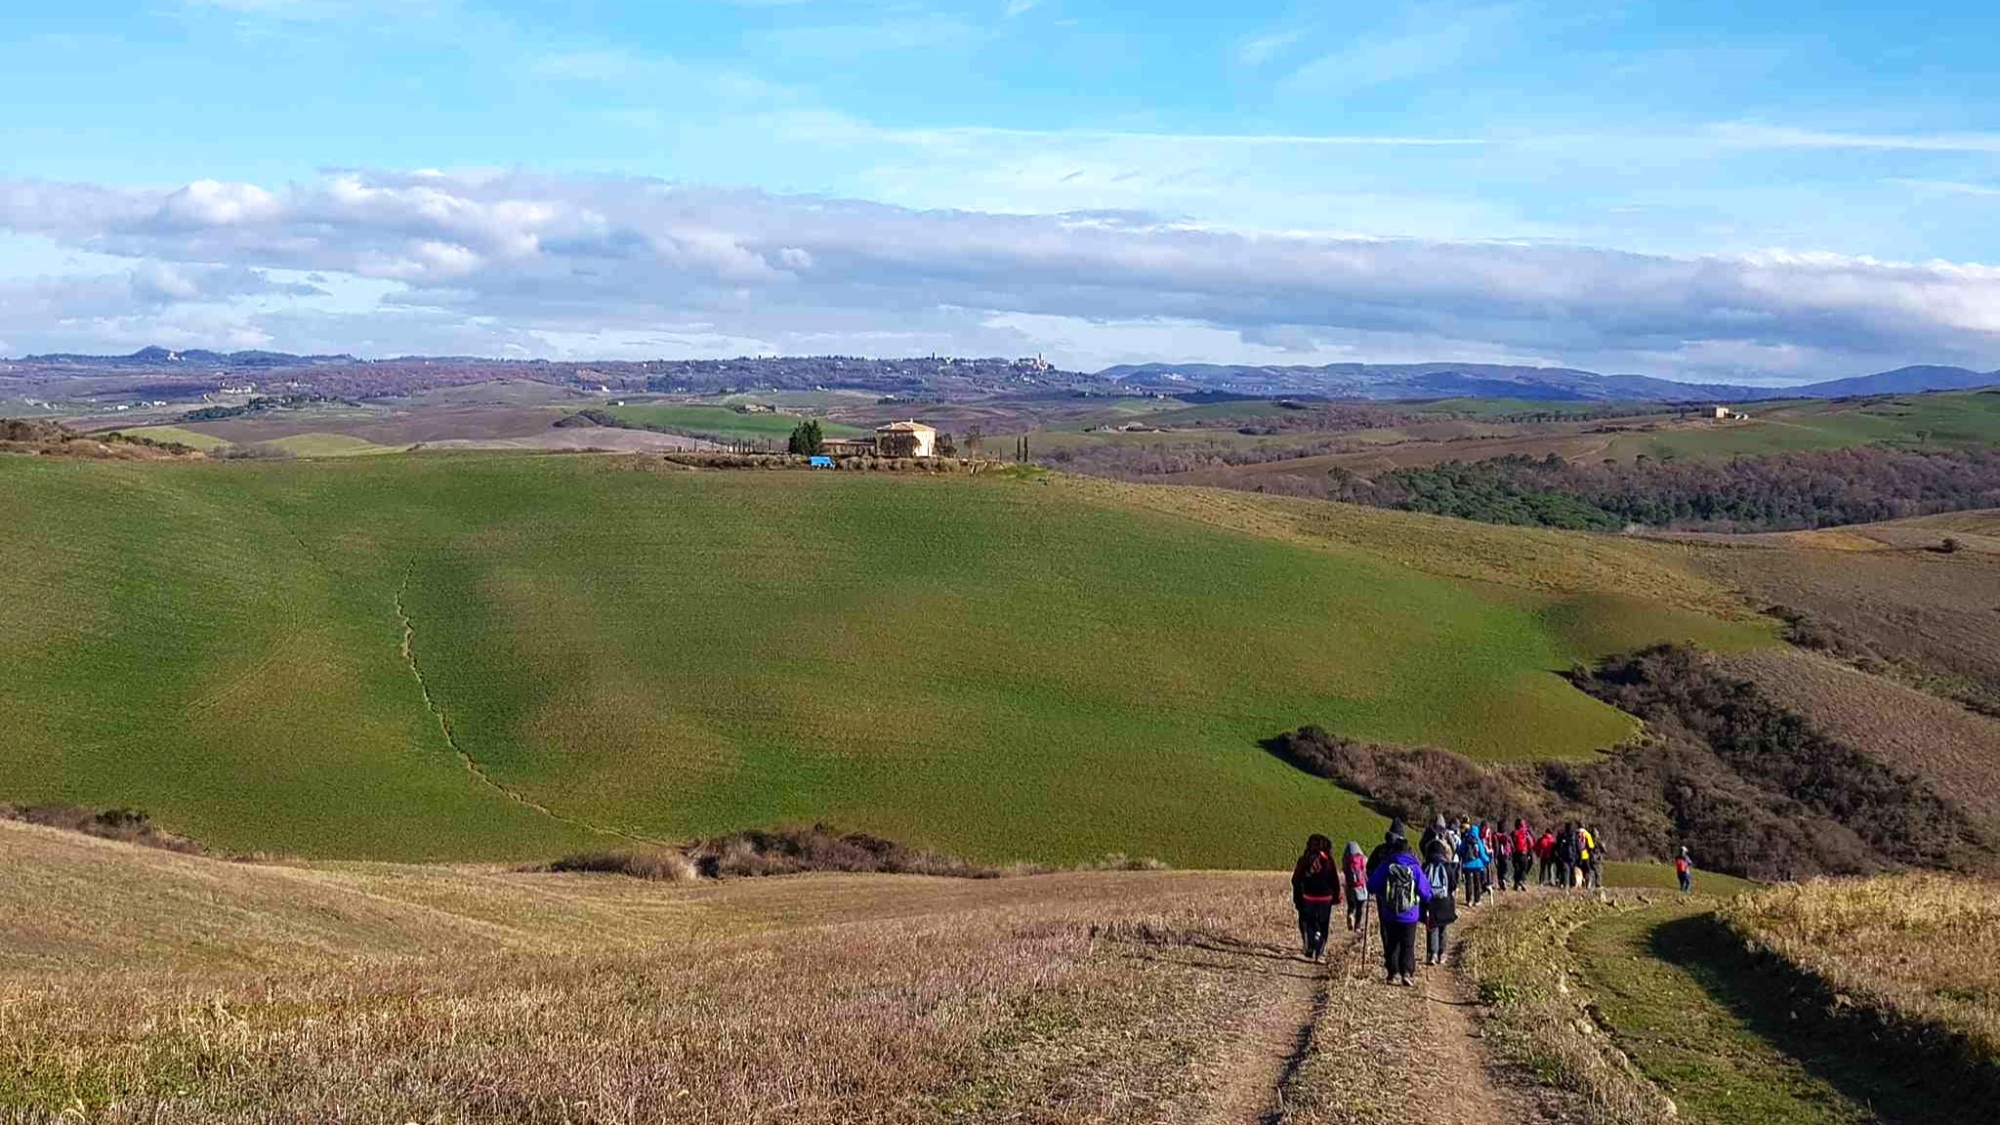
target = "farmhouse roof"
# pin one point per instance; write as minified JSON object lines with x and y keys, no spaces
{"x":910,"y":427}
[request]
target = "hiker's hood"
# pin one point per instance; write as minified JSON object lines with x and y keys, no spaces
{"x":1354,"y":848}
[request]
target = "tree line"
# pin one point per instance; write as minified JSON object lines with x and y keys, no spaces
{"x":1782,"y":491}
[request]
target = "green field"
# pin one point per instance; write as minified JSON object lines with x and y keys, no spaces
{"x":1722,"y":1034}
{"x":327,"y":445}
{"x":722,"y":423}
{"x":1007,"y":665}
{"x":1939,"y":419}
{"x":192,"y":438}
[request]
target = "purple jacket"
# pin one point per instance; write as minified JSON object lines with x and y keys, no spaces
{"x":1378,"y":881}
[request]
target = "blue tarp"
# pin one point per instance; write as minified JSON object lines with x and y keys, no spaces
{"x":818,"y":462}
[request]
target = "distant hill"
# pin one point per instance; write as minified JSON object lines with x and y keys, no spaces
{"x":158,"y":357}
{"x":958,"y":377}
{"x":1479,"y":380}
{"x":1904,"y":380}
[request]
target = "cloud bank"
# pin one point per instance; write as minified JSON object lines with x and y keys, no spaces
{"x":512,"y":262}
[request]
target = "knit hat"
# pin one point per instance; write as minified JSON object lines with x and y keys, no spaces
{"x":1396,"y":835}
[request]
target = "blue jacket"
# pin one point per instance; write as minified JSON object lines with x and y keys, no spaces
{"x":1378,"y":882}
{"x":1472,"y":851}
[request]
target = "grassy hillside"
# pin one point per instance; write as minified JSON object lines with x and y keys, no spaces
{"x":1007,"y":666}
{"x":1939,"y":419}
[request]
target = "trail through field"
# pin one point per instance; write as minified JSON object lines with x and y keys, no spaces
{"x":1723,"y":1035}
{"x":471,"y":764}
{"x":1372,"y":1052}
{"x":1275,"y":1044}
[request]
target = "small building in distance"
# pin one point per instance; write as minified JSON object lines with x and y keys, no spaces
{"x":1724,"y":414}
{"x":906,"y":439}
{"x":848,"y":447}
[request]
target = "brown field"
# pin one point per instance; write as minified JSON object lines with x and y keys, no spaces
{"x":1957,"y":750}
{"x":1934,"y":615}
{"x":140,"y":985}
{"x":1917,"y":948}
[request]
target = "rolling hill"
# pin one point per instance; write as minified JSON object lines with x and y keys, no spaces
{"x":1389,"y":382}
{"x":502,"y":656}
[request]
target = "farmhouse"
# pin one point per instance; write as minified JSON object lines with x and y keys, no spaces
{"x":1724,"y":414}
{"x":906,"y":439}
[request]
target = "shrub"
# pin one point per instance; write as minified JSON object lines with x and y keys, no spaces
{"x":787,"y":851}
{"x":661,"y":864}
{"x":132,"y":826}
{"x":784,"y":851}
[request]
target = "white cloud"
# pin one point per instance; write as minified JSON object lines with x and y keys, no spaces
{"x":608,"y":64}
{"x":522,"y":261}
{"x":1426,"y":39}
{"x":1747,"y":135}
{"x":1260,"y":49}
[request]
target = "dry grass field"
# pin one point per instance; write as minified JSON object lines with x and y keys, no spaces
{"x":140,"y":985}
{"x":1916,"y":948}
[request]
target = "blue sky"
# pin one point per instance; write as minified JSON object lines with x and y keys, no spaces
{"x":1771,"y":191}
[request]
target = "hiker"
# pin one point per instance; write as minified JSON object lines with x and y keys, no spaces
{"x":1400,"y":887}
{"x":1566,"y":856}
{"x":1545,"y":850}
{"x":1593,"y":859}
{"x":1440,"y":911}
{"x":1503,"y":859}
{"x":1684,"y":871}
{"x":1472,"y":857}
{"x":1433,"y":837}
{"x":1437,"y":857}
{"x":1524,"y":853}
{"x":1315,"y":882}
{"x":1452,"y":874}
{"x":1357,"y":884}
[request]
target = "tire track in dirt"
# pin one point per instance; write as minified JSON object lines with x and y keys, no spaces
{"x":471,"y":764}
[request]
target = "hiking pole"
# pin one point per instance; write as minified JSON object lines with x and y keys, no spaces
{"x":1364,"y":935}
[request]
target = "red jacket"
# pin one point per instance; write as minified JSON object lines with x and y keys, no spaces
{"x":1546,"y":846}
{"x":1524,"y":841}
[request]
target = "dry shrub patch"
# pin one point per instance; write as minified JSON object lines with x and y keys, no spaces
{"x":130,"y":825}
{"x":1910,"y":953}
{"x":1749,"y":786}
{"x":782,"y":851}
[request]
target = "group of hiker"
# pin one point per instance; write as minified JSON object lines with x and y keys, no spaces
{"x":1421,"y":885}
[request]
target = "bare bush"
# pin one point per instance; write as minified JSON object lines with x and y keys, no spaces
{"x":660,"y":864}
{"x":132,"y":826}
{"x":783,"y":851}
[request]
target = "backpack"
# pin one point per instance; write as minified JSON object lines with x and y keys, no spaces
{"x":1399,"y":889}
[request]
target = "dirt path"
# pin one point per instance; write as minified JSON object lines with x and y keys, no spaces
{"x":1277,"y":1040}
{"x":408,"y":651}
{"x":1414,"y":1056}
